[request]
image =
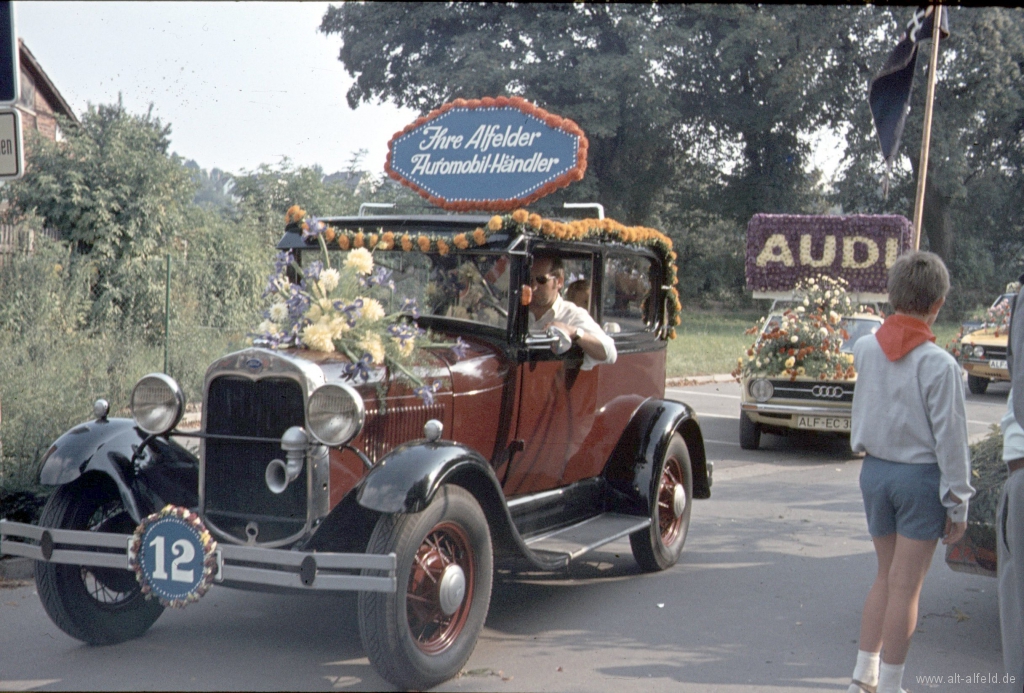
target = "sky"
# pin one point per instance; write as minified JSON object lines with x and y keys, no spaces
{"x":240,"y":83}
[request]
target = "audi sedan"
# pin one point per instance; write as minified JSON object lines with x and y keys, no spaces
{"x":780,"y":405}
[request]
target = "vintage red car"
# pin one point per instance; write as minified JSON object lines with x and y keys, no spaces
{"x":310,"y":477}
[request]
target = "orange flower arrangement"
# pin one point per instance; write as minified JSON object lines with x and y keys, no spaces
{"x":479,"y":237}
{"x":388,"y":239}
{"x":357,"y":240}
{"x":520,"y":216}
{"x":424,"y":243}
{"x":460,"y":241}
{"x":442,"y":247}
{"x":406,"y":242}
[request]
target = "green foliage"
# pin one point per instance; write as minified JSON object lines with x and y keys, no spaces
{"x":117,"y":196}
{"x":974,"y":216}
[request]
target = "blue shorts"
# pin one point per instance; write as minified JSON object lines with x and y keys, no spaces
{"x":902,"y":498}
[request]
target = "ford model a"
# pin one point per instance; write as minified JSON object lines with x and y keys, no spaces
{"x":406,"y":479}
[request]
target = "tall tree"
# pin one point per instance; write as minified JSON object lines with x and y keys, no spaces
{"x":669,"y":96}
{"x":974,"y":216}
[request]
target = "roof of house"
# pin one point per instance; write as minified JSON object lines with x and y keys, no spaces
{"x":43,"y":82}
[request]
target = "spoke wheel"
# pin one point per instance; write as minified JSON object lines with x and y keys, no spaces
{"x":658,"y":547}
{"x":442,"y":573}
{"x":672,"y":501}
{"x":100,"y":606}
{"x":422,"y":634}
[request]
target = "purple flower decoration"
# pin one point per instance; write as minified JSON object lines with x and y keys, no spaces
{"x":404,"y":331}
{"x":351,"y":311}
{"x":460,"y":348}
{"x":426,"y":392}
{"x":312,"y":272}
{"x":409,"y":306}
{"x":298,"y":303}
{"x":381,"y":276}
{"x":283,"y":261}
{"x":313,"y":228}
{"x":359,"y":369}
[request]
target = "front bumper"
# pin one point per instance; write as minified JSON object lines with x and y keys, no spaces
{"x":238,"y":565}
{"x":984,"y":369}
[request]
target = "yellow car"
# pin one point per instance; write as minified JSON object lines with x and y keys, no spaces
{"x":983,"y":351}
{"x":780,"y":405}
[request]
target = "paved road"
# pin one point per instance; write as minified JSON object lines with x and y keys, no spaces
{"x":767,"y":597}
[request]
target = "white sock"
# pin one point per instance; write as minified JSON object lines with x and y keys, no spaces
{"x":890,"y":678}
{"x":866,"y":670}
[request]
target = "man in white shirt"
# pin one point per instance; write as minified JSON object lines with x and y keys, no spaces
{"x":549,"y":309}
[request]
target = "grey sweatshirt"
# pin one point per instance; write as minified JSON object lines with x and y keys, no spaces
{"x":912,"y":410}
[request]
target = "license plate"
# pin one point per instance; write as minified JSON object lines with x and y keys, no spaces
{"x":823,"y":423}
{"x":997,"y":363}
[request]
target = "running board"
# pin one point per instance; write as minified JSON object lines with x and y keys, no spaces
{"x":575,"y":540}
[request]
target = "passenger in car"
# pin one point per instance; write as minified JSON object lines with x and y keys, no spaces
{"x":549,"y":309}
{"x":579,"y":293}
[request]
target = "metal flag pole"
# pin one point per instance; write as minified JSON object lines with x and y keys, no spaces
{"x":922,"y":171}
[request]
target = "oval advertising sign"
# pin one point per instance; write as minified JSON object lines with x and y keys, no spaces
{"x":491,"y":154}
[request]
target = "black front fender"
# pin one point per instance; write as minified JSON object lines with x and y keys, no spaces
{"x":633,"y":464}
{"x":407,"y":478}
{"x":148,"y":472}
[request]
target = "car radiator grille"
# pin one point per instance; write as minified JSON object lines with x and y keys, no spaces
{"x":399,"y":424}
{"x":236,"y":493}
{"x":813,"y":391}
{"x":995,"y":352}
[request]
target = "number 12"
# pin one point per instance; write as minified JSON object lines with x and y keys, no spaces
{"x":184,"y":551}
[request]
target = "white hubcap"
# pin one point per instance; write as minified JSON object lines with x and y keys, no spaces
{"x":452,"y":589}
{"x":678,"y":501}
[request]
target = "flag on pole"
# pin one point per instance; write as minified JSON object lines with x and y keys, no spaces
{"x":889,"y":90}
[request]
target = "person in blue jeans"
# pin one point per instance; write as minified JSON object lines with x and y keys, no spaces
{"x":910,"y":419}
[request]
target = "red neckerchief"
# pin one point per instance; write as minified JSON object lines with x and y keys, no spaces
{"x":901,"y":334}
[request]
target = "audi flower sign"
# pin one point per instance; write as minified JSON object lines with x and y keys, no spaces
{"x":492,"y":154}
{"x":783,"y":249}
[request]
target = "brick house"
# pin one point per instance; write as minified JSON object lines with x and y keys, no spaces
{"x":40,"y":99}
{"x":39,"y":103}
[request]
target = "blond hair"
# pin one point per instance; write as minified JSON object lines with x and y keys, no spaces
{"x":916,"y":281}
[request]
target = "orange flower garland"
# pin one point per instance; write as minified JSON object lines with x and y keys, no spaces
{"x":521,"y":221}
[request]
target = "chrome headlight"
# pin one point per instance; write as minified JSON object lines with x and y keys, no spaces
{"x":761,"y":390}
{"x":979,"y":352}
{"x":335,"y":414}
{"x":157,"y":403}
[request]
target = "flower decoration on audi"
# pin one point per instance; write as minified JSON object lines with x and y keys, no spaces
{"x":806,"y":339}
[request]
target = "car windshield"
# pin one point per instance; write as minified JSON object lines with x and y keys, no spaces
{"x":471,"y":286}
{"x":857,"y":328}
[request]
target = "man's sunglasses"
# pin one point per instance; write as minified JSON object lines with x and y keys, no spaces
{"x":541,"y":280}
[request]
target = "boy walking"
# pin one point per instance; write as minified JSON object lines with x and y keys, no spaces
{"x":910,"y":420}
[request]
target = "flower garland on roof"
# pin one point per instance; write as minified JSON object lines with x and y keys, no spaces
{"x":519,"y":221}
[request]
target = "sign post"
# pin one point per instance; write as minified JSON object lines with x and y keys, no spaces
{"x":11,"y":150}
